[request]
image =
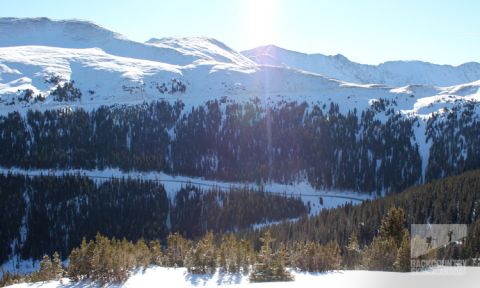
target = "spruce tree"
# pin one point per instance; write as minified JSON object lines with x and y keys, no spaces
{"x":177,"y":248}
{"x":352,"y":256}
{"x":393,"y":225}
{"x":143,"y":255}
{"x":80,"y":261}
{"x":380,"y":255}
{"x":245,"y":255}
{"x":45,"y":273}
{"x":269,"y":266}
{"x":157,"y":253}
{"x":57,"y":269}
{"x":201,"y":259}
{"x":402,"y":263}
{"x":228,"y":258}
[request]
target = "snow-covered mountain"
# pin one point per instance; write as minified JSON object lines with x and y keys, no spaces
{"x":202,"y":48}
{"x":385,"y":143}
{"x":392,"y":73}
{"x":82,"y":34}
{"x":39,"y":55}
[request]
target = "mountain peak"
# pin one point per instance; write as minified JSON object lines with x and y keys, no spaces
{"x":391,"y":73}
{"x":79,"y":34}
{"x":196,"y":39}
{"x":204,"y":48}
{"x":47,"y":32}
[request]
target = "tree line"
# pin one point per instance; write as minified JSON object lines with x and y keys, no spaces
{"x":54,"y":213}
{"x":105,"y":260}
{"x":453,"y":200}
{"x":373,"y":235}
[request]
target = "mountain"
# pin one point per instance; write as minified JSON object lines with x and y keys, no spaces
{"x":37,"y":55}
{"x":50,"y":64}
{"x":392,"y":73}
{"x":77,"y":97}
{"x":203,"y":49}
{"x":83,"y":34}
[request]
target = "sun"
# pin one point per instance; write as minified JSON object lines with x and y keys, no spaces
{"x":260,"y":20}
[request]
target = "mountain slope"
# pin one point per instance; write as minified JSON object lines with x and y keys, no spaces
{"x":392,"y":73}
{"x":37,"y":55}
{"x":47,"y":64}
{"x":195,"y":107}
{"x":83,"y":34}
{"x":106,"y":79}
{"x":202,"y":48}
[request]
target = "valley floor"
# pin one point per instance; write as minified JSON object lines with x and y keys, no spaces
{"x":169,"y":277}
{"x":172,"y":184}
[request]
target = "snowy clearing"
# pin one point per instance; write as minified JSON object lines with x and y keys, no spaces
{"x":170,"y":277}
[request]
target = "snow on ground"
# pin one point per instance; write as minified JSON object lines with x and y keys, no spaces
{"x":466,"y":277}
{"x":173,"y":184}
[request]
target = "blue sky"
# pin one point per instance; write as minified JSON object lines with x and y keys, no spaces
{"x":368,"y":31}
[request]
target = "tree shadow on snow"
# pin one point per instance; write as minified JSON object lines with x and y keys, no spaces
{"x":198,"y":279}
{"x":317,"y":273}
{"x":229,"y":278}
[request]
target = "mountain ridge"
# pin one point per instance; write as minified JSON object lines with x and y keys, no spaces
{"x":79,"y":34}
{"x":394,"y":73}
{"x":109,"y":69}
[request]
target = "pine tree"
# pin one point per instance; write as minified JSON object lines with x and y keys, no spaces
{"x":177,"y":248}
{"x":261,"y":269}
{"x":402,"y":262}
{"x":280,"y":260}
{"x":201,"y":259}
{"x":157,"y":253}
{"x":313,"y":257}
{"x":45,"y":273}
{"x":380,"y":254}
{"x":210,"y":257}
{"x":352,"y":256}
{"x":393,"y":225}
{"x":269,"y":266}
{"x":245,"y":255}
{"x":74,"y":264}
{"x":143,"y":255}
{"x":57,"y":269}
{"x":80,"y":261}
{"x":331,"y":256}
{"x":228,"y":260}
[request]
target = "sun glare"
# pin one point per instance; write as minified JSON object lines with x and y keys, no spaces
{"x":260,"y":18}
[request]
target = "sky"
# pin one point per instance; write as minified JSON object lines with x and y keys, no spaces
{"x":365,"y":31}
